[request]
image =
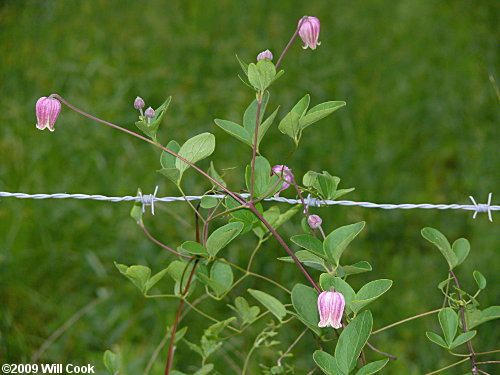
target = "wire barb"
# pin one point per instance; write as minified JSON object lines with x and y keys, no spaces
{"x":481,"y":207}
{"x":148,"y":200}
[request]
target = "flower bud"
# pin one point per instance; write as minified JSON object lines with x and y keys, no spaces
{"x":331,"y":307}
{"x":47,"y":111}
{"x":309,"y":32}
{"x":139,"y":103}
{"x":284,"y":172}
{"x":149,"y":113}
{"x":314,"y":221}
{"x":265,"y":55}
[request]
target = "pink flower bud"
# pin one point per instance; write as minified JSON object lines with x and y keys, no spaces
{"x":314,"y":221}
{"x":47,"y":111}
{"x":265,"y":55}
{"x":331,"y":307}
{"x":284,"y":172}
{"x":149,"y":113}
{"x":309,"y":32}
{"x":139,"y":103}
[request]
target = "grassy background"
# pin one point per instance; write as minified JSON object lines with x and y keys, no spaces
{"x":421,"y":125}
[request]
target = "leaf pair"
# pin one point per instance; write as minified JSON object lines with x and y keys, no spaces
{"x":141,"y":276}
{"x":300,"y":118}
{"x":220,"y":278}
{"x":351,"y":341}
{"x":454,"y":255}
{"x":193,"y":150}
{"x":448,"y":320}
{"x":356,"y":301}
{"x":246,"y":133}
{"x":324,"y":184}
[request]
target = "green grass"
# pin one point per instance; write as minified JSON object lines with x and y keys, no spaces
{"x":421,"y":125}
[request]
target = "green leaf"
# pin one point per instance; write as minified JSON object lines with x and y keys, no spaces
{"x":222,"y":274}
{"x":221,"y":237}
{"x":439,"y":240}
{"x":264,"y":127}
{"x":262,"y":74}
{"x":327,"y":363}
{"x":244,"y":66}
{"x":195,"y":248}
{"x":208,"y":202}
{"x":337,"y":241}
{"x":110,"y":360}
{"x":235,"y":130}
{"x":436,"y":339}
{"x":290,"y":124}
{"x":476,"y":317}
{"x":355,"y":268}
{"x":167,"y":162}
{"x":308,"y":259}
{"x":243,"y":215}
{"x":352,"y":340}
{"x":373,"y":367}
{"x":480,"y":279}
{"x":310,"y":243}
{"x":461,"y":248}
{"x":247,"y":313}
{"x":270,"y":302}
{"x":370,"y":292}
{"x":152,"y":128}
{"x":448,"y":320}
{"x":154,"y":279}
{"x":136,"y":212}
{"x":462,"y":339}
{"x":212,"y":172}
{"x":195,"y":149}
{"x":251,"y":114}
{"x":324,"y":183}
{"x":206,"y":369}
{"x":305,"y":302}
{"x":262,"y":177}
{"x":319,"y":112}
{"x":139,"y":275}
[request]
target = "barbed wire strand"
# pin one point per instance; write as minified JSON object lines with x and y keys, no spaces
{"x":150,"y":199}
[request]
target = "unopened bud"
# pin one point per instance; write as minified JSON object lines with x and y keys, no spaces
{"x":265,"y":55}
{"x":314,"y":221}
{"x":149,"y":113}
{"x":139,"y":103}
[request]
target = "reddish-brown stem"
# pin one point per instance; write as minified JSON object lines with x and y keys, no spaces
{"x":306,"y":209}
{"x":162,"y":244}
{"x":380,"y":351}
{"x":170,"y":357}
{"x":291,"y":41}
{"x":255,"y":141}
{"x":285,"y":246}
{"x":464,"y":326}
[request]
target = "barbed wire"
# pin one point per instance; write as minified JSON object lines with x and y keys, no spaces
{"x":150,"y":199}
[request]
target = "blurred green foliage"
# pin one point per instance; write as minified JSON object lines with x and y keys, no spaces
{"x":421,"y":125}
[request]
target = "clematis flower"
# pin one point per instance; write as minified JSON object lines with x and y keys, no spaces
{"x":265,"y":55}
{"x":309,"y":32}
{"x":286,"y":173}
{"x":314,"y":221}
{"x":331,"y":307}
{"x":149,"y":113}
{"x":139,"y":104}
{"x":47,"y":111}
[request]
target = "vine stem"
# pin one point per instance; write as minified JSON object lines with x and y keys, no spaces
{"x":446,"y":367}
{"x":291,"y":41}
{"x":306,"y":209}
{"x":170,"y":357}
{"x":291,"y":346}
{"x":405,"y":320}
{"x":464,"y":326}
{"x":255,"y":141}
{"x":150,"y":236}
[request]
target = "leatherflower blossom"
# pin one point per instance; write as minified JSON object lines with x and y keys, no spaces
{"x":47,"y":111}
{"x":331,"y":307}
{"x":265,"y":55}
{"x":309,"y":32}
{"x":284,"y":172}
{"x":314,"y":221}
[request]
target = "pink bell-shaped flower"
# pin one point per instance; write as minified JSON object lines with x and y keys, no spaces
{"x":331,"y":307}
{"x":265,"y":55}
{"x":309,"y":32}
{"x":284,"y":172}
{"x":47,"y":111}
{"x":314,"y":221}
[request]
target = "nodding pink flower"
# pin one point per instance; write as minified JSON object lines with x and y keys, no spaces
{"x":331,"y":307}
{"x":265,"y":55}
{"x":314,"y":221}
{"x":149,"y":113}
{"x":309,"y":32}
{"x":47,"y":111}
{"x":284,"y":172}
